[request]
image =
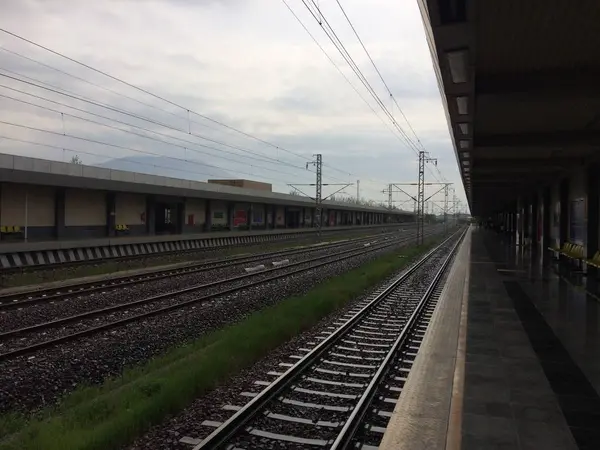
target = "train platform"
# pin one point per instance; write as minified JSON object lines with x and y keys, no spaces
{"x":511,"y":359}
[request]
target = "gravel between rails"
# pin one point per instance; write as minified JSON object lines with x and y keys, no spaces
{"x":31,"y":382}
{"x":69,"y":270}
{"x":31,"y":338}
{"x":81,"y":302}
{"x":209,"y":407}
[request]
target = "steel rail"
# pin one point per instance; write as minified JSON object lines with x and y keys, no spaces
{"x":117,"y":323}
{"x":34,"y":296}
{"x":222,"y":435}
{"x":89,"y":314}
{"x":348,"y":431}
{"x":296,"y":236}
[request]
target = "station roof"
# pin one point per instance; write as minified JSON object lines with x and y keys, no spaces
{"x":20,"y":169}
{"x":520,"y":82}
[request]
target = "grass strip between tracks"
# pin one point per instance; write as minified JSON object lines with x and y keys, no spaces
{"x":112,"y":414}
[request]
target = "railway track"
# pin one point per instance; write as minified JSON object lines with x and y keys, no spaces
{"x":8,"y":271}
{"x":43,"y":335}
{"x":340,"y":393}
{"x":35,"y":296}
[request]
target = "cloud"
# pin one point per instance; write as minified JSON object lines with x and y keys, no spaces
{"x":246,"y":64}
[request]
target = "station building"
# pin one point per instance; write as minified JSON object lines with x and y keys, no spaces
{"x":42,"y":200}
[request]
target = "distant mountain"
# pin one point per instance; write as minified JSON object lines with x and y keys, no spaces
{"x":166,"y":167}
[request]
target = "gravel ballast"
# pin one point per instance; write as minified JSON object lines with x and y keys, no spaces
{"x":39,"y":380}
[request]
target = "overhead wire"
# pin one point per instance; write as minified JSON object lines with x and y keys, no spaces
{"x":147,"y":92}
{"x":328,"y":29}
{"x":340,"y":72}
{"x":87,"y":152}
{"x":63,"y":91}
{"x":107,"y":89}
{"x":304,"y":157}
{"x":162,"y":99}
{"x":386,"y":124}
{"x":268,"y":160}
{"x":187,"y":147}
{"x":122,"y":147}
{"x":339,"y":45}
{"x":66,"y":93}
{"x":379,"y":73}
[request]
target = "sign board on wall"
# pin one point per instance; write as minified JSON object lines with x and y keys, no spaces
{"x":240,"y":217}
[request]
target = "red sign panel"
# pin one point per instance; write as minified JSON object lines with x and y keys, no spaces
{"x":240,"y":218}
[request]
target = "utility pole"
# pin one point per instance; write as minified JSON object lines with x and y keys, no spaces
{"x":390,"y":200}
{"x":318,"y":163}
{"x":423,"y":158}
{"x":446,"y":188}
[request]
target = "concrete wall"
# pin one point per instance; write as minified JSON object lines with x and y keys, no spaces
{"x":85,"y":213}
{"x":279,"y":216}
{"x":128,"y":211}
{"x":308,"y":214}
{"x":39,"y":200}
{"x":258,"y":215}
{"x":194,"y":215}
{"x":555,"y":215}
{"x":219,"y":213}
{"x":578,"y":195}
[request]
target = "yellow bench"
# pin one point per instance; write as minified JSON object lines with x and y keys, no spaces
{"x":573,"y":251}
{"x":10,"y":229}
{"x":558,"y":250}
{"x":595,"y":261}
{"x":121,"y":228}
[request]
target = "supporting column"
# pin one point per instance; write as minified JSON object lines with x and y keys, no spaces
{"x":526,"y":211}
{"x":230,"y":212}
{"x":285,"y":217}
{"x":150,"y":215}
{"x":207,"y":216}
{"x":546,"y":218}
{"x":180,"y":211}
{"x":593,"y":223}
{"x":273,"y":216}
{"x":535,"y":235}
{"x":267,"y":209}
{"x":59,"y":213}
{"x":519,"y":230}
{"x":250,"y":217}
{"x":564,"y":213}
{"x":111,"y":214}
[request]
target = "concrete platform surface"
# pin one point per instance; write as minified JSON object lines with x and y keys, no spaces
{"x":420,"y":419}
{"x":526,"y":371}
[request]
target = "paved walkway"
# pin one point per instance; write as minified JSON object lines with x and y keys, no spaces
{"x":527,"y":371}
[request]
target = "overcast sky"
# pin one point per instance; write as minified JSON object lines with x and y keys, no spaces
{"x":246,"y":63}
